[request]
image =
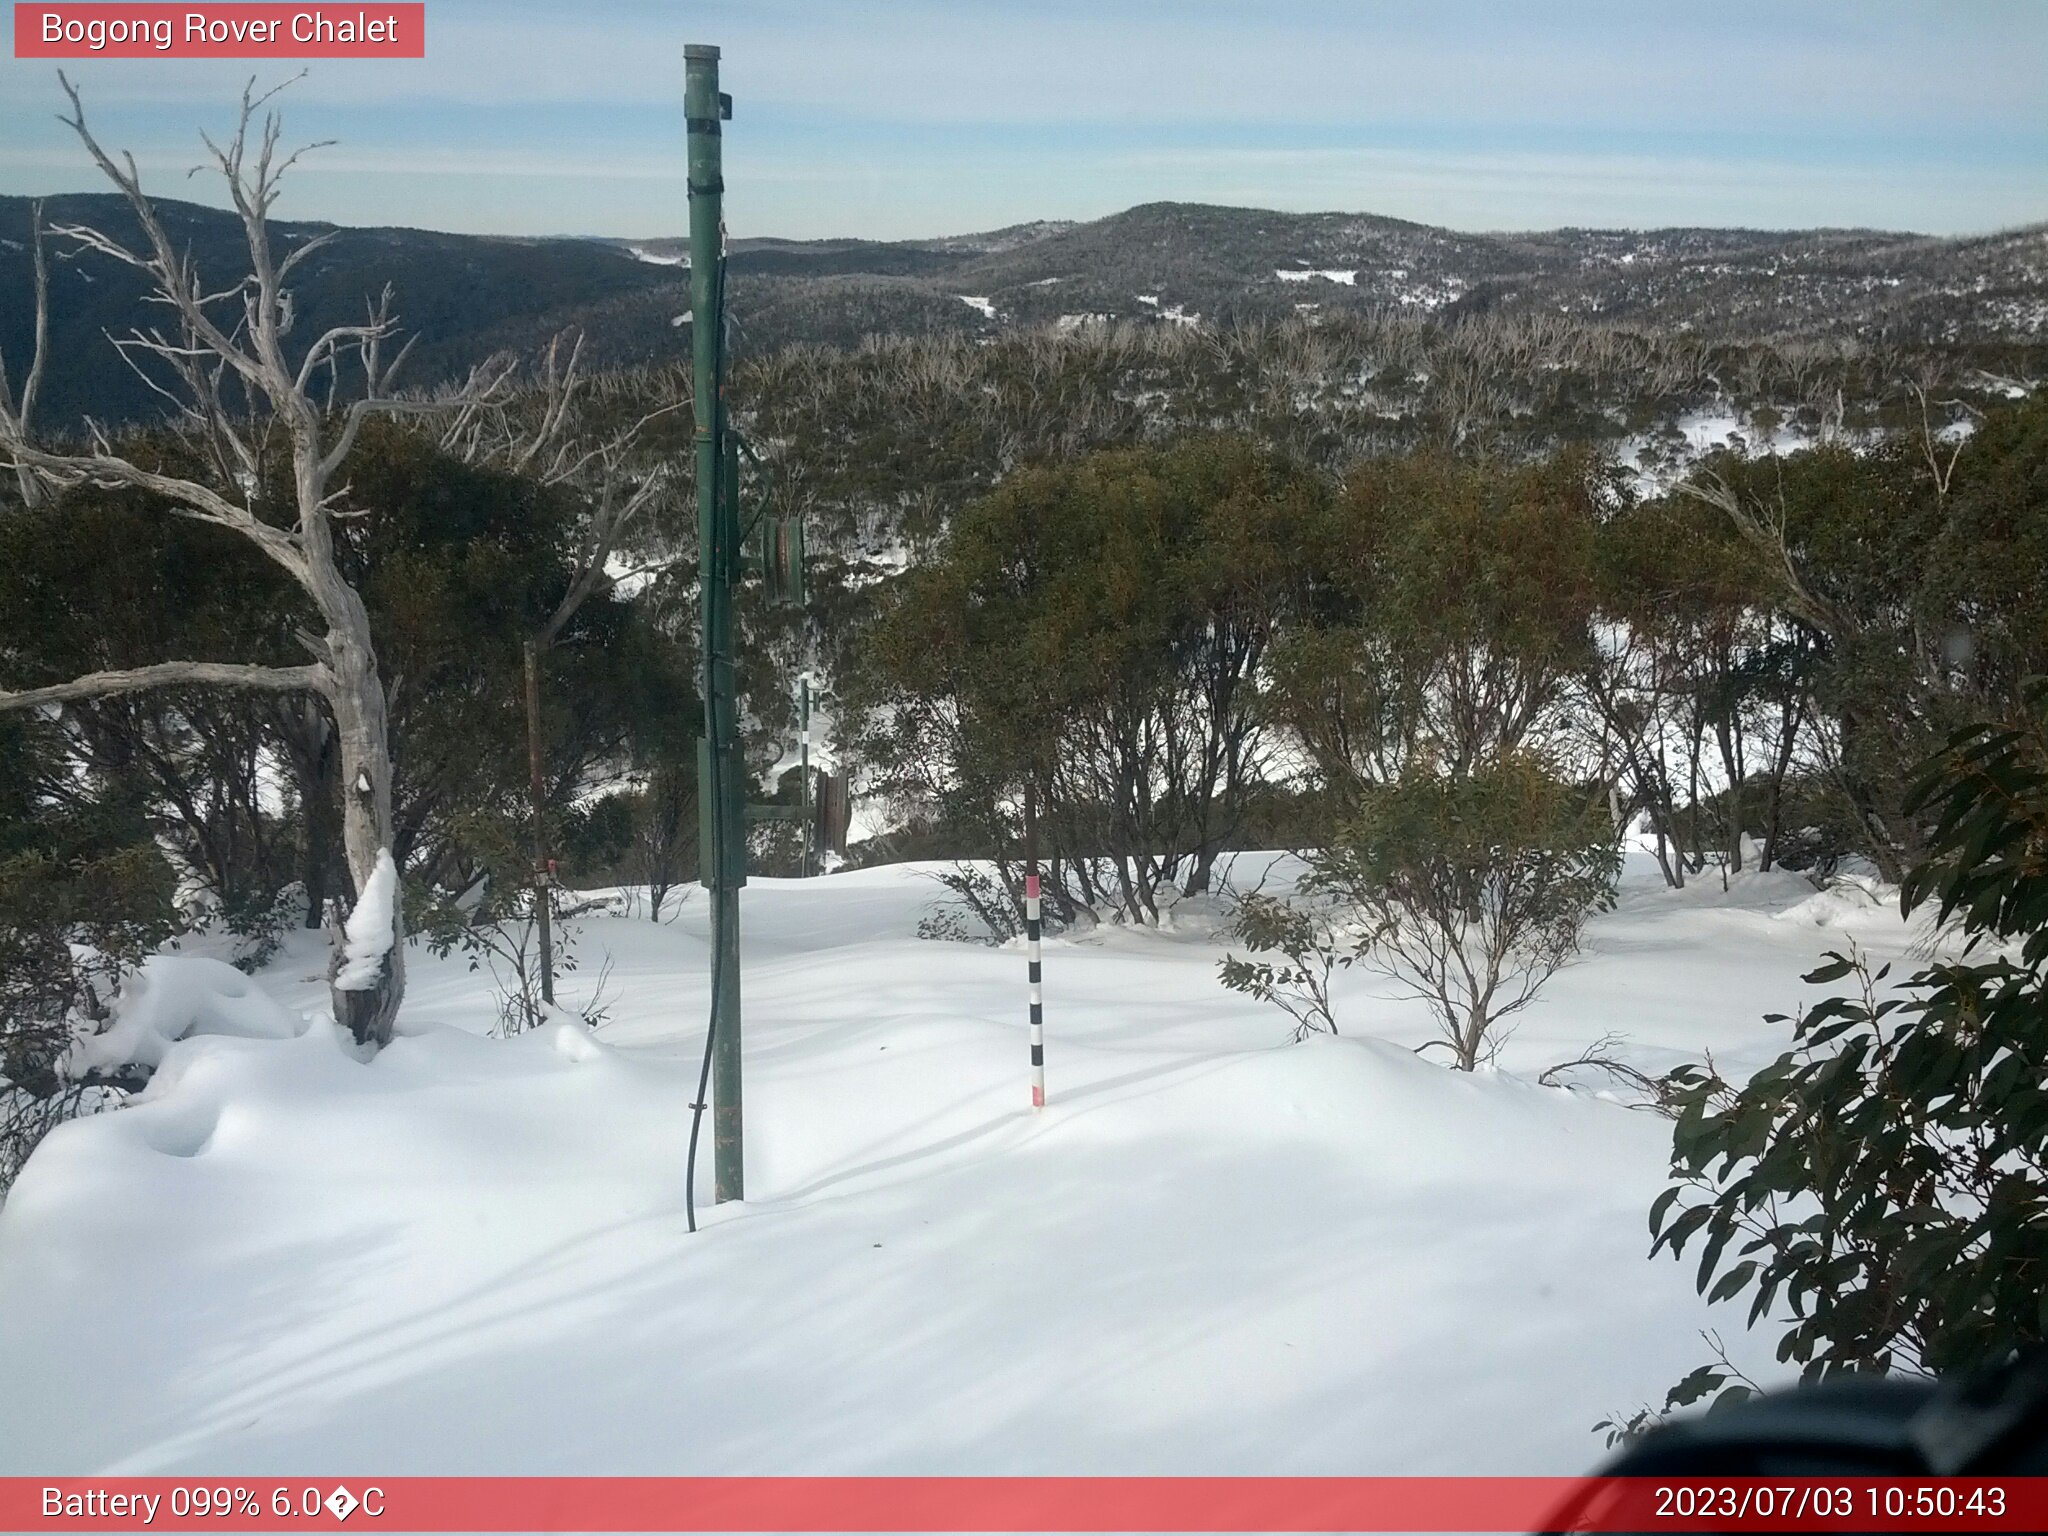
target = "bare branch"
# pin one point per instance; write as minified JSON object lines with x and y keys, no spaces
{"x":482,"y":383}
{"x":173,"y":674}
{"x":191,"y":498}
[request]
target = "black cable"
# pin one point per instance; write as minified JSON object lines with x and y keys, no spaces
{"x":703,"y":1094}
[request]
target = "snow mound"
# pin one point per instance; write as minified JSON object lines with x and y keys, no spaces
{"x":1844,"y":900}
{"x":569,"y":1037}
{"x":1211,"y":1252}
{"x":172,"y":997}
{"x":368,"y":934}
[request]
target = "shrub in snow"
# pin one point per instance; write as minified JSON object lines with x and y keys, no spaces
{"x":495,"y":925}
{"x":165,"y":999}
{"x":981,"y":909}
{"x":1470,"y":889}
{"x":75,"y":913}
{"x":1306,"y":940}
{"x":1886,"y":1179}
{"x":260,"y":920}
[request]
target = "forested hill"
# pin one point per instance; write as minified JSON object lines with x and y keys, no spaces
{"x":463,"y":296}
{"x":1163,"y":263}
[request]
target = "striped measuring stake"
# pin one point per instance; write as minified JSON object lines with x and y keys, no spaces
{"x":1037,"y":994}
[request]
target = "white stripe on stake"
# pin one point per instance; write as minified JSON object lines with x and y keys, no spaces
{"x":1031,"y":931}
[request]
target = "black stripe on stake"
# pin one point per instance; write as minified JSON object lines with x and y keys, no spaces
{"x":1031,"y":918}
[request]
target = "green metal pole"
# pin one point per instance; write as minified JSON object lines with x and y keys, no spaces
{"x":722,"y":846}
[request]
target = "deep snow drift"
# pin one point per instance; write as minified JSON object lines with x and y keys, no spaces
{"x":1214,"y":1252}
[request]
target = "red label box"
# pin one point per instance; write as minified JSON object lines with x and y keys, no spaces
{"x":371,"y":30}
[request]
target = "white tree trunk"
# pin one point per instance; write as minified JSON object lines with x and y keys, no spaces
{"x":355,"y":693}
{"x":366,"y":832}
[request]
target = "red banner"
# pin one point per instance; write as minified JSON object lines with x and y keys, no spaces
{"x":151,"y":31}
{"x":979,"y":1504}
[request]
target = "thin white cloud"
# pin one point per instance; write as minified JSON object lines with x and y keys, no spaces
{"x":891,"y":120}
{"x":1655,"y":65}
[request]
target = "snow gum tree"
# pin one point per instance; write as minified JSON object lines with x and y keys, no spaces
{"x":1452,"y":603}
{"x":257,"y":408}
{"x":1093,"y":634}
{"x":1425,"y":689}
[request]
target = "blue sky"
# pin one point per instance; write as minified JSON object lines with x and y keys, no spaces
{"x":895,"y":118}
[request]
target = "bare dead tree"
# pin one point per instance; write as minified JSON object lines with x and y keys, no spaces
{"x":17,"y":416}
{"x":549,"y":441}
{"x":227,"y":345}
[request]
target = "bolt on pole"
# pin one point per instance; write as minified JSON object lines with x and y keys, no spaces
{"x":721,"y":784}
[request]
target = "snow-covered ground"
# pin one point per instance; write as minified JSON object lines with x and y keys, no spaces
{"x":1214,"y":1252}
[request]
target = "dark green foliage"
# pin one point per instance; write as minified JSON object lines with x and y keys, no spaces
{"x":1886,"y":1180}
{"x":1094,"y":631}
{"x":83,"y":894}
{"x":1914,"y":575}
{"x":1452,"y":600}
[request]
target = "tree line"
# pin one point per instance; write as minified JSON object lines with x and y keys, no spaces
{"x":1211,"y":644}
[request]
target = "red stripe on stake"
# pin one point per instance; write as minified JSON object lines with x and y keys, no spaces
{"x":381,"y":29}
{"x":1061,"y":1504}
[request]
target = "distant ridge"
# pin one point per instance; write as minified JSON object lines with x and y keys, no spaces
{"x":1158,"y":263}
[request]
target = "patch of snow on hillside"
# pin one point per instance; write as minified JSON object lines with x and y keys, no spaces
{"x":1433,"y":295}
{"x":1348,"y":276}
{"x":981,"y":302}
{"x":657,"y":258}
